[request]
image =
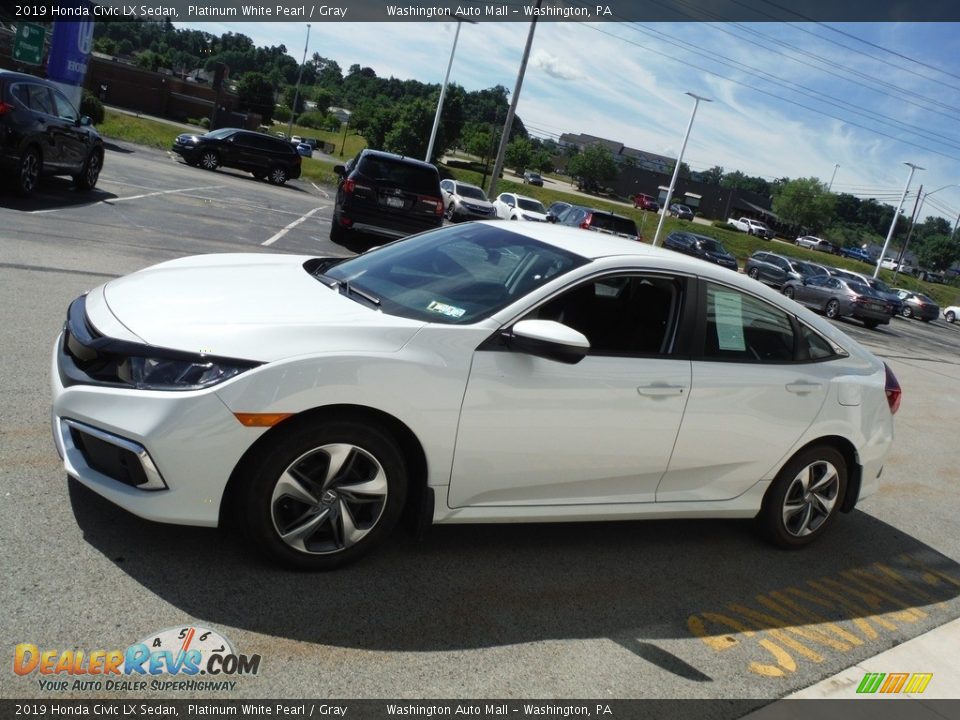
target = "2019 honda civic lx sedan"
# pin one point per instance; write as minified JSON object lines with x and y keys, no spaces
{"x":474,"y":373}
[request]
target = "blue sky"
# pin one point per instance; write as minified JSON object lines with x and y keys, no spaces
{"x":788,"y":99}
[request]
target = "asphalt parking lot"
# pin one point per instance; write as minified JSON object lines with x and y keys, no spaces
{"x":665,"y":609}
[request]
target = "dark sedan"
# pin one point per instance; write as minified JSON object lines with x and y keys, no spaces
{"x":700,"y":246}
{"x":837,"y":297}
{"x":681,"y":211}
{"x":775,"y":270}
{"x":917,"y":305}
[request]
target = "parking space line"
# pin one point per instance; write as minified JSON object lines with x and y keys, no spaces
{"x":133,"y":197}
{"x":321,"y":190}
{"x":290,"y":227}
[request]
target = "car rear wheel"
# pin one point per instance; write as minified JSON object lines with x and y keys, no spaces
{"x":28,"y":171}
{"x":906,"y":311}
{"x":325,"y":493}
{"x":259,"y":174}
{"x":278,"y":175}
{"x":209,"y":160}
{"x":804,"y":498}
{"x":950,"y":317}
{"x":754,"y":273}
{"x":833,"y":309}
{"x":87,"y":179}
{"x":789,"y":292}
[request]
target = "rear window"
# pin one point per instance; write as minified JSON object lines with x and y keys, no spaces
{"x":387,"y":171}
{"x":613,"y":223}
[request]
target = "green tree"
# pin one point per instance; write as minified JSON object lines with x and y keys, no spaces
{"x":684,"y":170}
{"x":738,"y":181}
{"x":938,"y":253}
{"x":288,"y":96}
{"x":805,"y":202}
{"x":713,"y":176}
{"x":542,"y":161}
{"x":593,"y":166}
{"x":255,"y":93}
{"x":519,"y":155}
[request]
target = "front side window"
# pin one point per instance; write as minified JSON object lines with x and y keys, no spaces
{"x":742,"y":328}
{"x":455,"y":275}
{"x":620,"y":314}
{"x":64,"y":108}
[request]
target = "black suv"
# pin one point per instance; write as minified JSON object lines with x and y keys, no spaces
{"x":41,"y":133}
{"x":598,"y":220}
{"x":259,"y":154}
{"x":700,"y":246}
{"x":386,"y":195}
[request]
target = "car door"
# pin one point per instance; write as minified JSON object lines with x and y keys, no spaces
{"x":505,"y":203}
{"x":751,"y":398}
{"x":44,"y":123}
{"x":535,"y":431}
{"x":70,"y":136}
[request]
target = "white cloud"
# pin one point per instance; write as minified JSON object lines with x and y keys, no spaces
{"x":554,"y":66}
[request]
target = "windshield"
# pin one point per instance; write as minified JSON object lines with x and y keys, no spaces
{"x":455,"y":275}
{"x":711,"y":245}
{"x":531,"y":205}
{"x":879,"y":285}
{"x":469,"y":191}
{"x":221,"y":133}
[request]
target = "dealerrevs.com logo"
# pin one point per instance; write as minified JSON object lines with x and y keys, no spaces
{"x":183,"y":658}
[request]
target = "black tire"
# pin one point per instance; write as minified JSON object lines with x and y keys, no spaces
{"x":29,"y":170}
{"x":906,"y":311}
{"x":306,"y":483}
{"x":795,"y":512}
{"x":448,"y":214}
{"x":209,"y":160}
{"x":337,"y":233}
{"x":950,"y":317}
{"x":871,"y":324}
{"x":87,"y":179}
{"x":832,"y":310}
{"x":278,"y":175}
{"x":789,"y":292}
{"x":754,"y":273}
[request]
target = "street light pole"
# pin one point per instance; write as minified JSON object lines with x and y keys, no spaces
{"x":443,"y":93}
{"x":833,"y":177}
{"x":896,"y":214}
{"x":511,"y":111}
{"x":296,"y":93}
{"x":676,"y":170}
{"x":917,"y":209}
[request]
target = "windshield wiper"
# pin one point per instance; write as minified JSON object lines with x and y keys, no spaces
{"x":346,"y":288}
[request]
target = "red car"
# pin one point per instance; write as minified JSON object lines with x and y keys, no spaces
{"x":645,"y":202}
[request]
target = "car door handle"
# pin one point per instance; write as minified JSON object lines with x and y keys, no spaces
{"x":660,"y":390}
{"x":801,"y":387}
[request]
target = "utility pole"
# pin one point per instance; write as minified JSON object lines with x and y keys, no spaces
{"x":833,"y":177}
{"x":918,"y":203}
{"x":443,"y":92}
{"x":896,"y":214}
{"x":296,"y":93}
{"x":508,"y":123}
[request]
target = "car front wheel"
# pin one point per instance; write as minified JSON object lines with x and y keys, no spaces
{"x":209,"y":160}
{"x":325,"y":493}
{"x":833,"y":309}
{"x":805,"y":497}
{"x":754,"y":273}
{"x":87,"y":179}
{"x":906,"y":311}
{"x":950,"y":317}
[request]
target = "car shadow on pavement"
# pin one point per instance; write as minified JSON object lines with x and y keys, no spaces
{"x":53,"y":194}
{"x":475,"y":586}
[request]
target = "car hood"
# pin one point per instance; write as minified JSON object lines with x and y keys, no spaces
{"x":251,"y":306}
{"x":474,"y":201}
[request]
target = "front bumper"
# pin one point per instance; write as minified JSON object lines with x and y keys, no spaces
{"x":188,"y":444}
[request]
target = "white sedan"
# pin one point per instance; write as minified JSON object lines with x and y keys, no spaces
{"x":482,"y":372}
{"x":951,"y":313}
{"x":511,"y":206}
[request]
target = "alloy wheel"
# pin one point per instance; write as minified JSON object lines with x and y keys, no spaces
{"x":278,"y":176}
{"x":209,"y":161}
{"x":329,"y":499}
{"x":810,"y":498}
{"x":833,"y":309}
{"x":29,"y":171}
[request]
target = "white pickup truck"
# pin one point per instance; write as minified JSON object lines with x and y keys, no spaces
{"x":751,"y":226}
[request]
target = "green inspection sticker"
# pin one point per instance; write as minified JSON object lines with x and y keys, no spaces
{"x":444,"y":309}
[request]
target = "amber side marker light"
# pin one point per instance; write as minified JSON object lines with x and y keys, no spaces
{"x":261,"y":419}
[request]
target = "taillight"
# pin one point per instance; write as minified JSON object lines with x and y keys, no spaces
{"x":5,"y":108}
{"x":437,"y":204}
{"x":892,"y":389}
{"x":348,"y":186}
{"x":585,"y":225}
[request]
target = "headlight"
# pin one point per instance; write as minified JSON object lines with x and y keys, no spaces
{"x":161,"y":374}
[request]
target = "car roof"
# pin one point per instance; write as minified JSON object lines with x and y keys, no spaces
{"x":525,"y":197}
{"x":367,"y":152}
{"x":11,"y":75}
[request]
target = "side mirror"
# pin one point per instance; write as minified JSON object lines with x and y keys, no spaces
{"x":340,"y":170}
{"x":551,"y":218}
{"x":85,"y":121}
{"x":548,"y":339}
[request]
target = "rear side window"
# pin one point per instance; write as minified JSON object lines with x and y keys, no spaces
{"x":742,"y":328}
{"x":387,"y":171}
{"x":35,"y":97}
